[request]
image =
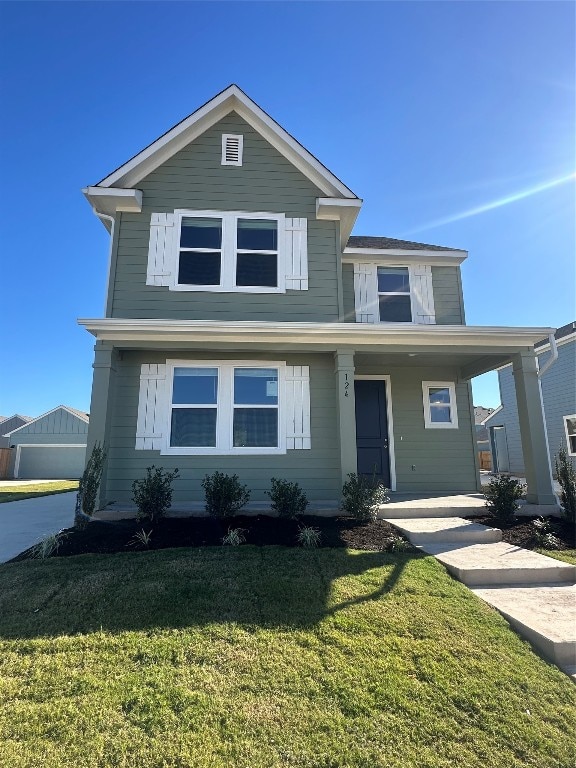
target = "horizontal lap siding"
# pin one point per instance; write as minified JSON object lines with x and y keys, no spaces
{"x":448,"y":301}
{"x":443,"y":458}
{"x":317,"y":470}
{"x":194,"y":179}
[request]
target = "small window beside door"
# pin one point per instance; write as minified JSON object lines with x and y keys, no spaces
{"x":439,"y":405}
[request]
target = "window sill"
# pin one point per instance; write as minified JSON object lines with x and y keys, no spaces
{"x":226,"y":289}
{"x":222,"y":452}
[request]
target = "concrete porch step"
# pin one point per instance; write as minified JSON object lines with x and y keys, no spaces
{"x":500,"y":564}
{"x":403,"y":506}
{"x":436,"y":530}
{"x":543,"y":614}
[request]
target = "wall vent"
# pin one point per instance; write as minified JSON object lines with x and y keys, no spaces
{"x":232,"y":147}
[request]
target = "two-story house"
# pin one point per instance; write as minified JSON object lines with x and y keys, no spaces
{"x":247,"y":329}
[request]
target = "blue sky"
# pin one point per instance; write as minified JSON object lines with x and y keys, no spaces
{"x":427,"y":110}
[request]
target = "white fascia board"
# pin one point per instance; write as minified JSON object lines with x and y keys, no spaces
{"x":338,"y":209}
{"x":52,"y":410}
{"x":390,"y":255}
{"x":564,"y":340}
{"x":231,"y":99}
{"x":109,"y":201}
{"x":491,"y":415}
{"x":489,"y":337}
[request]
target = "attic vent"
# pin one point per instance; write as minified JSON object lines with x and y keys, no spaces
{"x":232,"y":147}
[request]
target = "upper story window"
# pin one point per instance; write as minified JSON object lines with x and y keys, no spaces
{"x":229,"y":251}
{"x":394,"y":302}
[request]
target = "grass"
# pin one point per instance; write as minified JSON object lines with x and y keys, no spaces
{"x":268,"y":657}
{"x":566,"y":555}
{"x":19,"y":492}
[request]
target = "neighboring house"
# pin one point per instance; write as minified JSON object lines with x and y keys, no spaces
{"x":10,"y":423}
{"x":247,"y":331}
{"x":558,"y":398}
{"x":482,"y":439}
{"x":53,"y":446}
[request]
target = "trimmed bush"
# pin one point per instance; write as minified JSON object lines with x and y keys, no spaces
{"x":153,"y":494}
{"x":224,"y":494}
{"x":288,"y":499}
{"x":361,"y":497}
{"x":567,"y":479}
{"x":502,"y":496}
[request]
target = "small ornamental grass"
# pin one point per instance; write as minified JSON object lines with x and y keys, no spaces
{"x":399,"y":544}
{"x":567,"y":478}
{"x":288,"y":499}
{"x":47,"y":546}
{"x":308,"y":536}
{"x":234,"y":537}
{"x":141,"y":539}
{"x":543,"y":535}
{"x":361,"y":497}
{"x":153,"y":494}
{"x":224,"y":494}
{"x":502,"y":496}
{"x":89,"y":485}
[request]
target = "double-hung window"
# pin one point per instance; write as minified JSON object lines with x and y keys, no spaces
{"x":570,"y":426}
{"x":229,"y":251}
{"x":225,"y":408}
{"x":439,"y":405}
{"x":394,"y":303}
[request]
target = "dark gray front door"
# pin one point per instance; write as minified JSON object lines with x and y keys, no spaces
{"x":372,"y":429}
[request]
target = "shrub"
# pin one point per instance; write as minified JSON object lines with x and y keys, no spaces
{"x":288,"y":499}
{"x":48,"y":546}
{"x":399,"y":544}
{"x":89,"y":485}
{"x":308,"y":536}
{"x":361,"y":497}
{"x":543,"y":535}
{"x":153,"y":494}
{"x":567,"y":479}
{"x":234,"y":537}
{"x":141,"y":539}
{"x":224,"y":494}
{"x":502,"y":496}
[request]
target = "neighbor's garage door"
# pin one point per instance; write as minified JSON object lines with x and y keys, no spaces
{"x":51,"y":462}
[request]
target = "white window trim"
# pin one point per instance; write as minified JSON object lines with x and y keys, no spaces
{"x":572,"y":416}
{"x":409,"y":293}
{"x":225,"y":408}
{"x":451,"y":387}
{"x":228,"y":252}
{"x":372,"y":307}
{"x":240,"y":139}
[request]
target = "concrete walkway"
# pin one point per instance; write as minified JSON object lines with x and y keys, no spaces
{"x":25,"y":522}
{"x":535,"y":593}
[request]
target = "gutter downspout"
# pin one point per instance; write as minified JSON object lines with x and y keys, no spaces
{"x":112,"y":221}
{"x":553,"y":357}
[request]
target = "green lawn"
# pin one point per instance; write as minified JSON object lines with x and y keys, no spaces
{"x":266,"y":657}
{"x":18,"y":492}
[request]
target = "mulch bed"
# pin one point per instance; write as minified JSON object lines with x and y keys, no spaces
{"x":520,"y":531}
{"x":101,"y":537}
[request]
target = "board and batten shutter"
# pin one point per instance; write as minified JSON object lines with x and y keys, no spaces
{"x":297,"y":388}
{"x":365,"y":293}
{"x":296,"y":244}
{"x":151,"y":410}
{"x":160,"y":249}
{"x":422,"y":294}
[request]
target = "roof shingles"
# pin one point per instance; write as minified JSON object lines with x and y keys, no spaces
{"x":388,"y":243}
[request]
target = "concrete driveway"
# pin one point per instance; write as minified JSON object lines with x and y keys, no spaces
{"x":23,"y":523}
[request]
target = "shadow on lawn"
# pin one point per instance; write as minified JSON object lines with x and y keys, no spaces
{"x":173,"y":589}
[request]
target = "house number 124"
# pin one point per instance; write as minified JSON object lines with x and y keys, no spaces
{"x":346,"y":386}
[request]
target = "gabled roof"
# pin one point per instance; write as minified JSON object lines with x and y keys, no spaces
{"x":386,"y":243}
{"x":77,"y":414}
{"x":231,"y":99}
{"x":561,"y":333}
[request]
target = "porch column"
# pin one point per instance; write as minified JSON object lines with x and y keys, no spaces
{"x":344,"y":371}
{"x":533,"y":429}
{"x":101,"y":405}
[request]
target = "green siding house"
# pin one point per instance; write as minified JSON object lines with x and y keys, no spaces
{"x":248,"y":330}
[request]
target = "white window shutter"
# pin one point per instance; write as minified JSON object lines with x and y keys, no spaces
{"x":297,"y":387}
{"x":296,"y":245}
{"x":422,"y":294}
{"x":161,"y":248}
{"x":366,"y":293}
{"x":151,"y":410}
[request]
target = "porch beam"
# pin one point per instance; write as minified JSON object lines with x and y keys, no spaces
{"x":533,"y":430}
{"x":478,"y":367}
{"x":344,"y":372}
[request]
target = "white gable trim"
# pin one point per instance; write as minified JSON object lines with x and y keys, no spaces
{"x":231,"y":99}
{"x":58,"y":408}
